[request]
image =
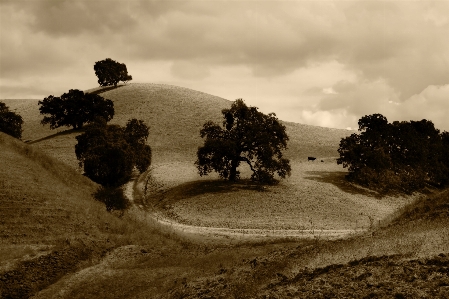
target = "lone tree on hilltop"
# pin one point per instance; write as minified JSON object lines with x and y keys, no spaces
{"x":110,"y":72}
{"x":109,"y":153}
{"x":74,"y":109}
{"x":10,"y":122}
{"x":247,"y":136}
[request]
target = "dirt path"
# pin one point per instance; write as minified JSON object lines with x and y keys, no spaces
{"x":230,"y":233}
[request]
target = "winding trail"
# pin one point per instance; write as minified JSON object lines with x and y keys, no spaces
{"x":229,"y":233}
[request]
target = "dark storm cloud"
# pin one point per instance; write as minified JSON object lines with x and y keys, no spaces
{"x":346,"y":57}
{"x":66,"y":17}
{"x":373,"y":38}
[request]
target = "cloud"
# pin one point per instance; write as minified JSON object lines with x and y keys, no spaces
{"x":359,"y":98}
{"x":66,"y":17}
{"x":190,"y":70}
{"x":399,"y":42}
{"x":304,"y":60}
{"x":431,"y":104}
{"x":352,"y":100}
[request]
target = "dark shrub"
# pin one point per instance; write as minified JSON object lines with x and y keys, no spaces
{"x":113,"y":198}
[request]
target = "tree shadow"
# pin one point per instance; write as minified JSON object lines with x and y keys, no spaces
{"x":201,"y":187}
{"x":338,"y":179}
{"x":62,"y":133}
{"x":107,"y":88}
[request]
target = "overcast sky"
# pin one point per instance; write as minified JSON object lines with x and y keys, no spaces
{"x":323,"y":63}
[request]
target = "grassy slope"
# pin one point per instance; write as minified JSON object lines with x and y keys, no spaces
{"x":53,"y":236}
{"x":49,"y":223}
{"x":159,"y":265}
{"x":409,"y":258}
{"x":45,"y":202}
{"x":175,"y":116}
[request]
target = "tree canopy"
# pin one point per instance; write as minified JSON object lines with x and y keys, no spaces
{"x":110,"y":72}
{"x":400,"y":156}
{"x":74,"y":109}
{"x":109,"y":153}
{"x":10,"y":122}
{"x":249,"y":136}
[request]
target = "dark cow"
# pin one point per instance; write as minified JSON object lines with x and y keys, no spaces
{"x":311,"y":158}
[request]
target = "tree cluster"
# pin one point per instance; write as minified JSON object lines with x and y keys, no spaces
{"x":110,"y":72}
{"x":10,"y":122}
{"x":248,"y":136}
{"x":74,"y":109}
{"x":108,"y":153}
{"x":401,"y":156}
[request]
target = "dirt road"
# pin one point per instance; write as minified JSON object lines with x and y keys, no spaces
{"x":144,"y":213}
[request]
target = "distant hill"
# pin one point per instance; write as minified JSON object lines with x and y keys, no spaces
{"x":175,"y":116}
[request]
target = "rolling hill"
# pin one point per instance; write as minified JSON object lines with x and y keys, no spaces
{"x":316,"y":196}
{"x":175,"y":116}
{"x":57,"y":242}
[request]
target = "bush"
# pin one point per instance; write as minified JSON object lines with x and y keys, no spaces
{"x":10,"y":122}
{"x":113,"y":198}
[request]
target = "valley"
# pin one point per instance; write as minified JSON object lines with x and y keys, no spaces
{"x":188,"y":236}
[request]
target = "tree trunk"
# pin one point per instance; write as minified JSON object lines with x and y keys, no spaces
{"x":233,"y":174}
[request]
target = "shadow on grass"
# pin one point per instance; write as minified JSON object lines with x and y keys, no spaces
{"x":62,"y":133}
{"x":337,"y":178}
{"x":200,"y":187}
{"x":108,"y":88}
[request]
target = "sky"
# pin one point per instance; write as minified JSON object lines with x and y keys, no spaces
{"x":324,"y":63}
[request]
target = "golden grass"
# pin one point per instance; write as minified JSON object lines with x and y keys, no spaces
{"x":45,"y":201}
{"x":316,"y":196}
{"x":175,"y":116}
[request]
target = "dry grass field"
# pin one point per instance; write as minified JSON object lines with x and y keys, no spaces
{"x":57,"y":242}
{"x":311,"y":198}
{"x":315,"y":197}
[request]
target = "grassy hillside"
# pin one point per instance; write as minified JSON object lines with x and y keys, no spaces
{"x":57,"y":242}
{"x":49,"y":223}
{"x":175,"y":116}
{"x":408,"y":258}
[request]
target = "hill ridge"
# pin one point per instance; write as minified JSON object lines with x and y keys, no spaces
{"x":175,"y":116}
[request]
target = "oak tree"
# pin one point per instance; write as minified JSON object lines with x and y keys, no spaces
{"x":248,"y":136}
{"x":108,"y":153}
{"x":110,"y":72}
{"x":74,"y":109}
{"x":402,"y":156}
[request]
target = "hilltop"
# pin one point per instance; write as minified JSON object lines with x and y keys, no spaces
{"x":175,"y":116}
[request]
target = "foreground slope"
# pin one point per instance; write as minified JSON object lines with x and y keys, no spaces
{"x":42,"y":198}
{"x":49,"y":222}
{"x":408,"y":258}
